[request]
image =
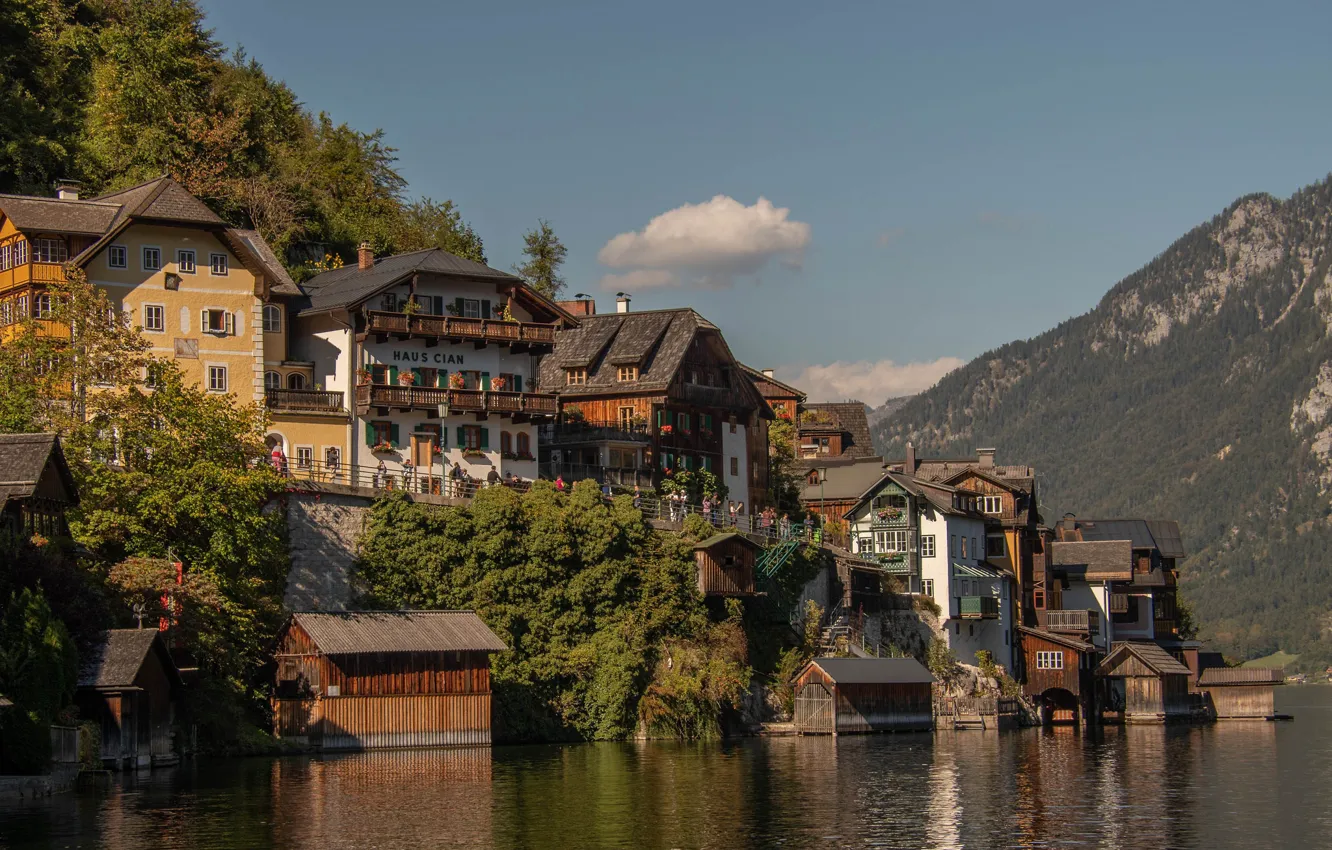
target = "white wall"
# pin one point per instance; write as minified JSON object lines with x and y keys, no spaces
{"x":734,"y":445}
{"x":1082,"y":596}
{"x":322,"y":340}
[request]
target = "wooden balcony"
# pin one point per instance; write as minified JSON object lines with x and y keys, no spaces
{"x":518,"y":406}
{"x":978,"y":608}
{"x":520,"y":336}
{"x":31,"y":273}
{"x":1082,"y":622}
{"x":303,"y":401}
{"x":45,"y":329}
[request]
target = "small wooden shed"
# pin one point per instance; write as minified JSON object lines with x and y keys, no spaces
{"x":726,"y":565}
{"x":369,"y":679}
{"x":841,"y":696}
{"x":1147,"y":683}
{"x":1057,"y":673}
{"x":130,"y":685}
{"x":1241,"y":693}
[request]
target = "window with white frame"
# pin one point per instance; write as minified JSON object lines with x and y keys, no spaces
{"x":927,"y":587}
{"x":272,"y":318}
{"x":41,"y":305}
{"x":865,"y":543}
{"x":20,"y":252}
{"x":992,"y":505}
{"x":6,"y":257}
{"x":152,"y":377}
{"x":50,"y":250}
{"x":217,"y":379}
{"x":6,"y":312}
{"x":117,"y":257}
{"x":1049,"y":661}
{"x":472,"y":309}
{"x":304,"y":456}
{"x":890,"y":541}
{"x":154,"y":318}
{"x":218,"y":264}
{"x":152,"y":258}
{"x":272,"y":381}
{"x":215,"y":321}
{"x":927,"y":546}
{"x":185,"y":261}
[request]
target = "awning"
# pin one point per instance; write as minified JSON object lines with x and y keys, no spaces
{"x":978,"y":571}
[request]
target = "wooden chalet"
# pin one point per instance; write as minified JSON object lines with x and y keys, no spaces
{"x":787,"y":402}
{"x":645,"y":394}
{"x":370,"y":679}
{"x":1058,"y":672}
{"x":35,"y":485}
{"x":726,"y":565}
{"x":834,"y":430}
{"x":131,"y":687}
{"x":839,"y":696}
{"x":1146,"y":684}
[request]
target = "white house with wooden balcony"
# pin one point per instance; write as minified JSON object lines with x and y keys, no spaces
{"x":437,"y":355}
{"x":931,"y":538}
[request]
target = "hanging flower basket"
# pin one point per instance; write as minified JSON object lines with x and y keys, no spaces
{"x":364,"y":376}
{"x":407,"y":378}
{"x":380,"y":448}
{"x":497,"y":384}
{"x":890,"y":513}
{"x":456,"y":381}
{"x":667,"y":430}
{"x":473,"y":453}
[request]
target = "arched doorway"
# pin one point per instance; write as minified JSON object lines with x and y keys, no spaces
{"x":274,"y":441}
{"x":1059,"y":706}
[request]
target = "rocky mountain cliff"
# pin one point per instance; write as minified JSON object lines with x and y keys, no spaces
{"x":1200,"y":389}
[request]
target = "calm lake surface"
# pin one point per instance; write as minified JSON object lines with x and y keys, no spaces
{"x":1247,"y":785}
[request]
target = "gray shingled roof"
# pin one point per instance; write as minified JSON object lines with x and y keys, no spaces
{"x":1168,"y":539}
{"x":162,"y":199}
{"x":115,"y":662}
{"x":31,"y":214}
{"x":1095,"y":559}
{"x":398,"y":631}
{"x":280,"y":282}
{"x":850,"y":418}
{"x":1213,"y":676}
{"x":786,"y":390}
{"x":351,"y":284}
{"x":1062,"y":640}
{"x":1156,"y":658}
{"x":875,"y":671}
{"x":23,"y":458}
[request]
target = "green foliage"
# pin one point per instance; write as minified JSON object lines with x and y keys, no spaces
{"x":38,"y":668}
{"x":940,"y":659}
{"x":545,"y":254}
{"x":591,"y":600}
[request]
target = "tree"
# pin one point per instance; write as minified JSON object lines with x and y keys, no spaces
{"x":38,"y":668}
{"x":545,"y":254}
{"x":426,"y":224}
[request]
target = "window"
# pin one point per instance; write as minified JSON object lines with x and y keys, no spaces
{"x":379,"y":374}
{"x":381,"y":433}
{"x":927,"y":587}
{"x":735,"y":466}
{"x":185,"y":262}
{"x":216,"y":321}
{"x":49,"y":250}
{"x":471,"y":437}
{"x":295,"y":381}
{"x":154,"y":318}
{"x":525,"y":447}
{"x":471,"y":309}
{"x":152,"y":259}
{"x":218,"y":264}
{"x":574,"y":377}
{"x":6,"y":312}
{"x":683,"y":421}
{"x":628,"y":373}
{"x":626,"y":416}
{"x":41,"y":306}
{"x":152,"y":377}
{"x":994,"y":546}
{"x":927,"y":546}
{"x":732,"y":424}
{"x":117,"y":257}
{"x":865,"y":544}
{"x":217,"y":379}
{"x":20,"y":252}
{"x":992,"y":505}
{"x":6,"y":257}
{"x":890,"y":541}
{"x":506,"y":442}
{"x":22,"y":303}
{"x":304,"y":457}
{"x":1038,"y":598}
{"x":272,"y":319}
{"x":272,"y":381}
{"x":975,"y":553}
{"x":1049,"y":661}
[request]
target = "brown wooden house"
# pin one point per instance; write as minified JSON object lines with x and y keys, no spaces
{"x":1146,"y":684}
{"x":1058,"y":673}
{"x":369,"y":679}
{"x":130,"y":685}
{"x":787,"y":402}
{"x":726,"y":565}
{"x":35,"y":486}
{"x":837,"y":696}
{"x":834,"y":430}
{"x":1240,"y":693}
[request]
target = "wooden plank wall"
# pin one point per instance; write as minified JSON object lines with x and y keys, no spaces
{"x":371,"y":722}
{"x":1240,"y":702}
{"x":714,"y":577}
{"x":1039,"y":681}
{"x":884,"y":707}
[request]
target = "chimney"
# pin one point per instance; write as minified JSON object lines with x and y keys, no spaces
{"x":582,"y":305}
{"x":1068,"y":528}
{"x":67,"y":190}
{"x":767,"y":373}
{"x":909,"y":467}
{"x":621,"y":302}
{"x":365,"y":256}
{"x":986,"y":458}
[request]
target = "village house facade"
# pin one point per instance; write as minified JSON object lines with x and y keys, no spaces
{"x":643,"y":395}
{"x":38,"y":487}
{"x":831,"y":430}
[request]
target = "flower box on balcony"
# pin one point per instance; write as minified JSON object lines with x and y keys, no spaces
{"x":457,"y":381}
{"x":666,"y":430}
{"x":498,"y":384}
{"x":509,"y":455}
{"x":523,"y":456}
{"x":380,"y":448}
{"x":473,"y":453}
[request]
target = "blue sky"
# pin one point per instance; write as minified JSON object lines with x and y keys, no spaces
{"x":955,"y":175}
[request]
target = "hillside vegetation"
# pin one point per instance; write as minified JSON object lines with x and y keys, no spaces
{"x":1199,"y":389}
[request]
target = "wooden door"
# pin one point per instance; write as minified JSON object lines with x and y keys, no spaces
{"x":423,"y":451}
{"x":814,"y":709}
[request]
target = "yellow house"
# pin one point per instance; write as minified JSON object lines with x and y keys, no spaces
{"x":212,"y":298}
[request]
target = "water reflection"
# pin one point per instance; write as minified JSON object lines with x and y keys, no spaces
{"x":1250,"y":784}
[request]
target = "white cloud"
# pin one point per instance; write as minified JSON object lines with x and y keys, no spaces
{"x":639,"y":279}
{"x":869,"y":381}
{"x":708,"y":244}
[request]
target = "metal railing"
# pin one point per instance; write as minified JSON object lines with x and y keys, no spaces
{"x":977,"y":607}
{"x":588,"y":431}
{"x":615,"y":476}
{"x":1073,"y":621}
{"x":410,"y":479}
{"x":457,"y":327}
{"x":410,"y":397}
{"x":320,"y":401}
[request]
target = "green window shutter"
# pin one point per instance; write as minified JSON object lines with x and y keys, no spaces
{"x":458,"y":305}
{"x":485,"y":310}
{"x":485,"y":437}
{"x":661,"y":418}
{"x":517,"y":383}
{"x":393,"y":433}
{"x":392,"y":375}
{"x":462,"y":437}
{"x":438,"y":305}
{"x":485,"y":380}
{"x":369,"y":434}
{"x":442,"y":378}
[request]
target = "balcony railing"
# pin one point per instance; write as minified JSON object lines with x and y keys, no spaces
{"x":454,"y":327}
{"x":616,"y":476}
{"x":303,"y":401}
{"x":1073,"y":621}
{"x":587,"y":432}
{"x":977,"y":607}
{"x":32,"y":273}
{"x":900,"y":564}
{"x":465,"y":401}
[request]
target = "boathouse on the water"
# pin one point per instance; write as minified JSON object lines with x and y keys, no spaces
{"x":841,"y":696}
{"x":1241,"y":693}
{"x":1146,"y":683}
{"x":367,"y":679}
{"x":726,"y":565}
{"x":129,"y":685}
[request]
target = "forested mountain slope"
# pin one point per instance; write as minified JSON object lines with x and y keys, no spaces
{"x":1200,"y":389}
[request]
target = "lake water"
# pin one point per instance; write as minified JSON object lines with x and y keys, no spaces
{"x":1250,"y":784}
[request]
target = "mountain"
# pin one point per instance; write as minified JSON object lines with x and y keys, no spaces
{"x":1199,"y":389}
{"x":879,"y":415}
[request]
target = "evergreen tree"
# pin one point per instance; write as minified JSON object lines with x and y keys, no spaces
{"x":545,"y":254}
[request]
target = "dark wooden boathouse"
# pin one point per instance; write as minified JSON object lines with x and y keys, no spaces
{"x":839,"y":696}
{"x":130,"y":686}
{"x":1058,"y":673}
{"x":369,"y":679}
{"x":726,"y":565}
{"x":1146,"y":683}
{"x":1240,"y":693}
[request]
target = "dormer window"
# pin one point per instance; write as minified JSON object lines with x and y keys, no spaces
{"x":628,"y":373}
{"x":992,"y":505}
{"x":575,"y":377}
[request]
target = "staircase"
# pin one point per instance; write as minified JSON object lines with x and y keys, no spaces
{"x":775,"y":557}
